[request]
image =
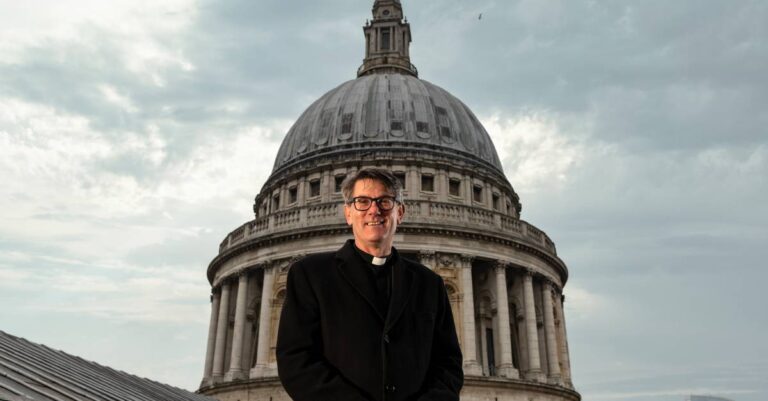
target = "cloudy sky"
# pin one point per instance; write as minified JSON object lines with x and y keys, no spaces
{"x":134,"y":135}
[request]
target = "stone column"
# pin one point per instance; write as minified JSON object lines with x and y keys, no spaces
{"x":564,"y":354}
{"x":549,"y":332}
{"x":236,"y":360}
{"x":221,"y":334}
{"x":471,"y":366}
{"x":534,"y":362}
{"x":265,"y":318}
{"x":208,"y":370}
{"x":506,"y":367}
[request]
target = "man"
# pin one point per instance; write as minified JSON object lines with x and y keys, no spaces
{"x":364,"y":323}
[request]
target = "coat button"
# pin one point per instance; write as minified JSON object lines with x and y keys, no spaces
{"x":389,"y":388}
{"x":386,"y":338}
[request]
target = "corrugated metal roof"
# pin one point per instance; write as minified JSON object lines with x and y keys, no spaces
{"x":30,"y":371}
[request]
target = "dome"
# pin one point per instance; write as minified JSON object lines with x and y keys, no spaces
{"x":391,"y":111}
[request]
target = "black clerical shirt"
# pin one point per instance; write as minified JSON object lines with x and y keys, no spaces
{"x":381,"y":277}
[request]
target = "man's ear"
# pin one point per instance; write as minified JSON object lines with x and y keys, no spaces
{"x":347,"y":212}
{"x":401,"y":207}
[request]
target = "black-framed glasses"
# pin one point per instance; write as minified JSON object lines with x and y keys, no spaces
{"x":363,"y":203}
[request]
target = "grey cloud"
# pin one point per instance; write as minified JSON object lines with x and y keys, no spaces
{"x":652,"y":74}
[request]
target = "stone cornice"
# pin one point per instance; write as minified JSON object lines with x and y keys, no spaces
{"x":412,"y":228}
{"x":500,"y":382}
{"x":391,"y":152}
{"x":474,"y":381}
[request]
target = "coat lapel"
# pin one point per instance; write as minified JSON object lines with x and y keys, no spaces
{"x":356,"y":276}
{"x":404,"y":284}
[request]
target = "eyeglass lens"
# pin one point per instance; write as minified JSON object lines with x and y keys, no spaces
{"x":363,"y":203}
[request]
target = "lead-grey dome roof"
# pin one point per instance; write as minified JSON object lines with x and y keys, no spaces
{"x":387,"y":109}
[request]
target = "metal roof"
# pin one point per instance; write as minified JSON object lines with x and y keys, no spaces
{"x":30,"y":371}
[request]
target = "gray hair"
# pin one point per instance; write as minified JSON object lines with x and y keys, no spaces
{"x":390,"y":181}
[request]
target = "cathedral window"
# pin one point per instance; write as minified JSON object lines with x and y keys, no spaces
{"x":427,"y":183}
{"x":346,"y":123}
{"x":422,"y":126}
{"x":400,"y":177}
{"x":275,"y":202}
{"x":477,"y":193}
{"x":495,"y":201}
{"x":396,"y":125}
{"x":490,"y":352}
{"x":314,"y":188}
{"x":442,"y":121}
{"x":292,"y":195}
{"x":338,"y":180}
{"x":385,"y":39}
{"x":454,"y":187}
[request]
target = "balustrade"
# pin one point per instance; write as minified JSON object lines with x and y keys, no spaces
{"x":418,"y":211}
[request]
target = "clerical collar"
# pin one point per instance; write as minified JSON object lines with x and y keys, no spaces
{"x":374,"y":260}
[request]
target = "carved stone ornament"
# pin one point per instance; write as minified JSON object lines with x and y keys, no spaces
{"x":447,"y":260}
{"x":466,"y":260}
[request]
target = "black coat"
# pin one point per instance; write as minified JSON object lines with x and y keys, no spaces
{"x":334,"y":345}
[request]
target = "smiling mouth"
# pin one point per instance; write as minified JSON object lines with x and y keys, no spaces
{"x":374,"y":223}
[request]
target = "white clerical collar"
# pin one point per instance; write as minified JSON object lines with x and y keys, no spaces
{"x":377,"y":261}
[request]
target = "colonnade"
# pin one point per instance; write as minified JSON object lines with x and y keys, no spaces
{"x":538,"y":321}
{"x":221,"y":344}
{"x":526,"y":339}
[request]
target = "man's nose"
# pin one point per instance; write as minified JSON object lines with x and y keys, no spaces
{"x":374,"y":209}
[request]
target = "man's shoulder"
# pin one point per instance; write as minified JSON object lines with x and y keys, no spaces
{"x":315,"y":260}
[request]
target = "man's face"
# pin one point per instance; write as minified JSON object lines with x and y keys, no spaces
{"x":374,"y":229}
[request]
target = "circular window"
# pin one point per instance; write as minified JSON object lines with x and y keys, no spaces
{"x":385,"y":13}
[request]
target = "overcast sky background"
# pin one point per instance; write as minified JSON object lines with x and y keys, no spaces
{"x":134,"y":135}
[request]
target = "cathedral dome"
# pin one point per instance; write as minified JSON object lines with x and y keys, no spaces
{"x":391,"y":111}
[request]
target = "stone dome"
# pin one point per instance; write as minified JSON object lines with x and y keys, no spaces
{"x":388,"y":111}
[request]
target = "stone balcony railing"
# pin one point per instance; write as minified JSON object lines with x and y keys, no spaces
{"x":419,"y":212}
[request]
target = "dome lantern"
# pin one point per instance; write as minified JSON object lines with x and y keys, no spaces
{"x":387,"y":39}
